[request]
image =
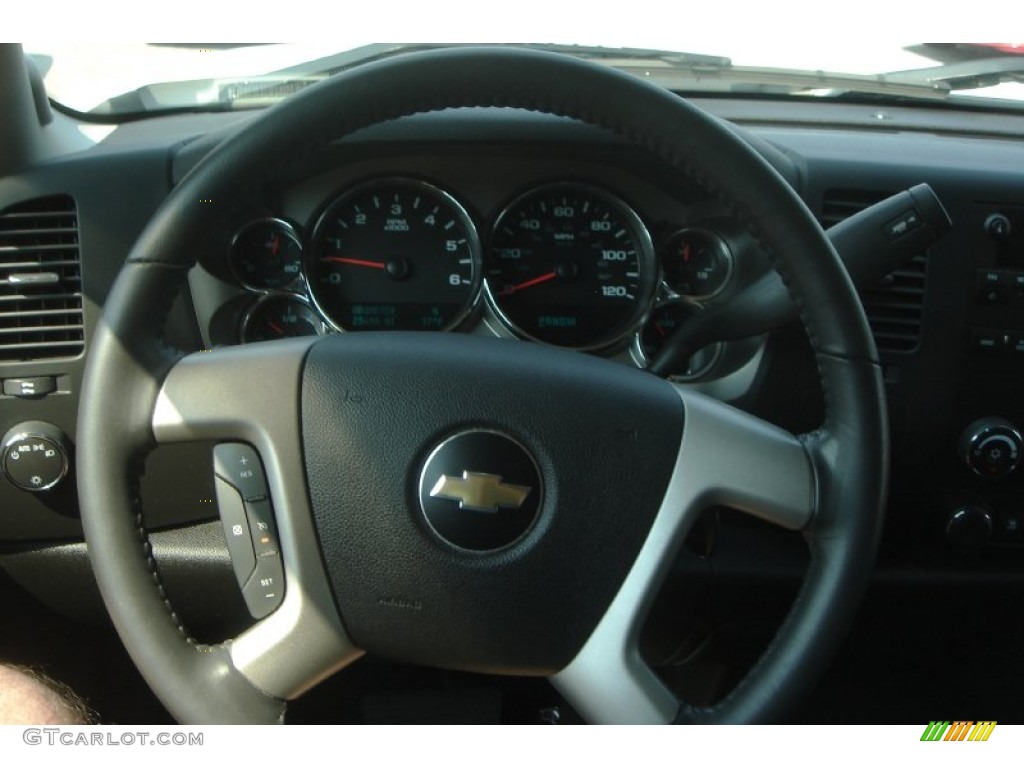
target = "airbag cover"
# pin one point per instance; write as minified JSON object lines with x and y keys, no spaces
{"x":376,"y":406}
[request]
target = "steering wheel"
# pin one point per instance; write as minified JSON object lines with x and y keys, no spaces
{"x":549,"y":571}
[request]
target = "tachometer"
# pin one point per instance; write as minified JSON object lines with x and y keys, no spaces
{"x":571,"y":265}
{"x":394,"y":254}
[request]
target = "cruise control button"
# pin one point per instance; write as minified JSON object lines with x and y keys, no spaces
{"x":236,"y":530}
{"x":239,"y":464}
{"x":265,"y":588}
{"x":261,"y":523}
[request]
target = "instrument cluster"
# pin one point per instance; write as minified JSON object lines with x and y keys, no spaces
{"x":565,"y":263}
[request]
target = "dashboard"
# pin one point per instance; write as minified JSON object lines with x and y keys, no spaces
{"x":529,"y":227}
{"x":533,"y":227}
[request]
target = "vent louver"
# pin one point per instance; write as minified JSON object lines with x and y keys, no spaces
{"x":40,"y":281}
{"x":895,"y":305}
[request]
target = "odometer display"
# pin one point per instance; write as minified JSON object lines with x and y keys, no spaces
{"x":394,"y":254}
{"x":572,"y":266}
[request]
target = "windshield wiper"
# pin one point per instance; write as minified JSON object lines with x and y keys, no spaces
{"x":339,"y":62}
{"x":683,"y":75}
{"x":969,"y":75}
{"x":676,"y":70}
{"x":226,"y":94}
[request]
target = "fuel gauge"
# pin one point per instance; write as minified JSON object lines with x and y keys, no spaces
{"x":696,"y":263}
{"x":280,"y":317}
{"x":266,"y":255}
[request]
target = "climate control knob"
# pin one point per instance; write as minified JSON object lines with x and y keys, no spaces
{"x":35,"y":456}
{"x":991,"y":447}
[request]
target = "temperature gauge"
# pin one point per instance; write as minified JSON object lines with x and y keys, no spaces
{"x":280,"y":317}
{"x":696,"y":263}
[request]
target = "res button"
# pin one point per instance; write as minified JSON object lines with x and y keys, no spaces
{"x":239,"y":465}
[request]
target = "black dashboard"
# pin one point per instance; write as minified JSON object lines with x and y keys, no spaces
{"x":506,"y":193}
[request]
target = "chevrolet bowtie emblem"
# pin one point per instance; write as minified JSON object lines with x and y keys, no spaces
{"x":480,"y":492}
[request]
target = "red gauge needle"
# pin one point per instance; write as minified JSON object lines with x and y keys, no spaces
{"x":528,"y":284}
{"x":356,"y":262}
{"x":275,"y":327}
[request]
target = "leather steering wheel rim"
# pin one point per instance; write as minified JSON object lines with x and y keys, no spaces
{"x":130,"y":358}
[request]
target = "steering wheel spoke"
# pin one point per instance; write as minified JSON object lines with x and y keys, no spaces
{"x":731,"y":458}
{"x":248,"y":397}
{"x":247,"y":393}
{"x":726,"y":457}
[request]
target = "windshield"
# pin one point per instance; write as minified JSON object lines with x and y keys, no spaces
{"x":116,"y":80}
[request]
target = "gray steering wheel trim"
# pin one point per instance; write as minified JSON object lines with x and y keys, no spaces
{"x":129,"y":358}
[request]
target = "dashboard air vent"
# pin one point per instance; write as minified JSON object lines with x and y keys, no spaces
{"x":895,"y":305}
{"x":40,"y":281}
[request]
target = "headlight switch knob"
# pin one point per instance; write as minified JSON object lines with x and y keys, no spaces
{"x":35,"y":456}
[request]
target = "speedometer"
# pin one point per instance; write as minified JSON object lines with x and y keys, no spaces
{"x":394,"y":254}
{"x":571,"y":265}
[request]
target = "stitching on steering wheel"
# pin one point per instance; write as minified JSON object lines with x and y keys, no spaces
{"x":180,"y":273}
{"x":147,"y":553}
